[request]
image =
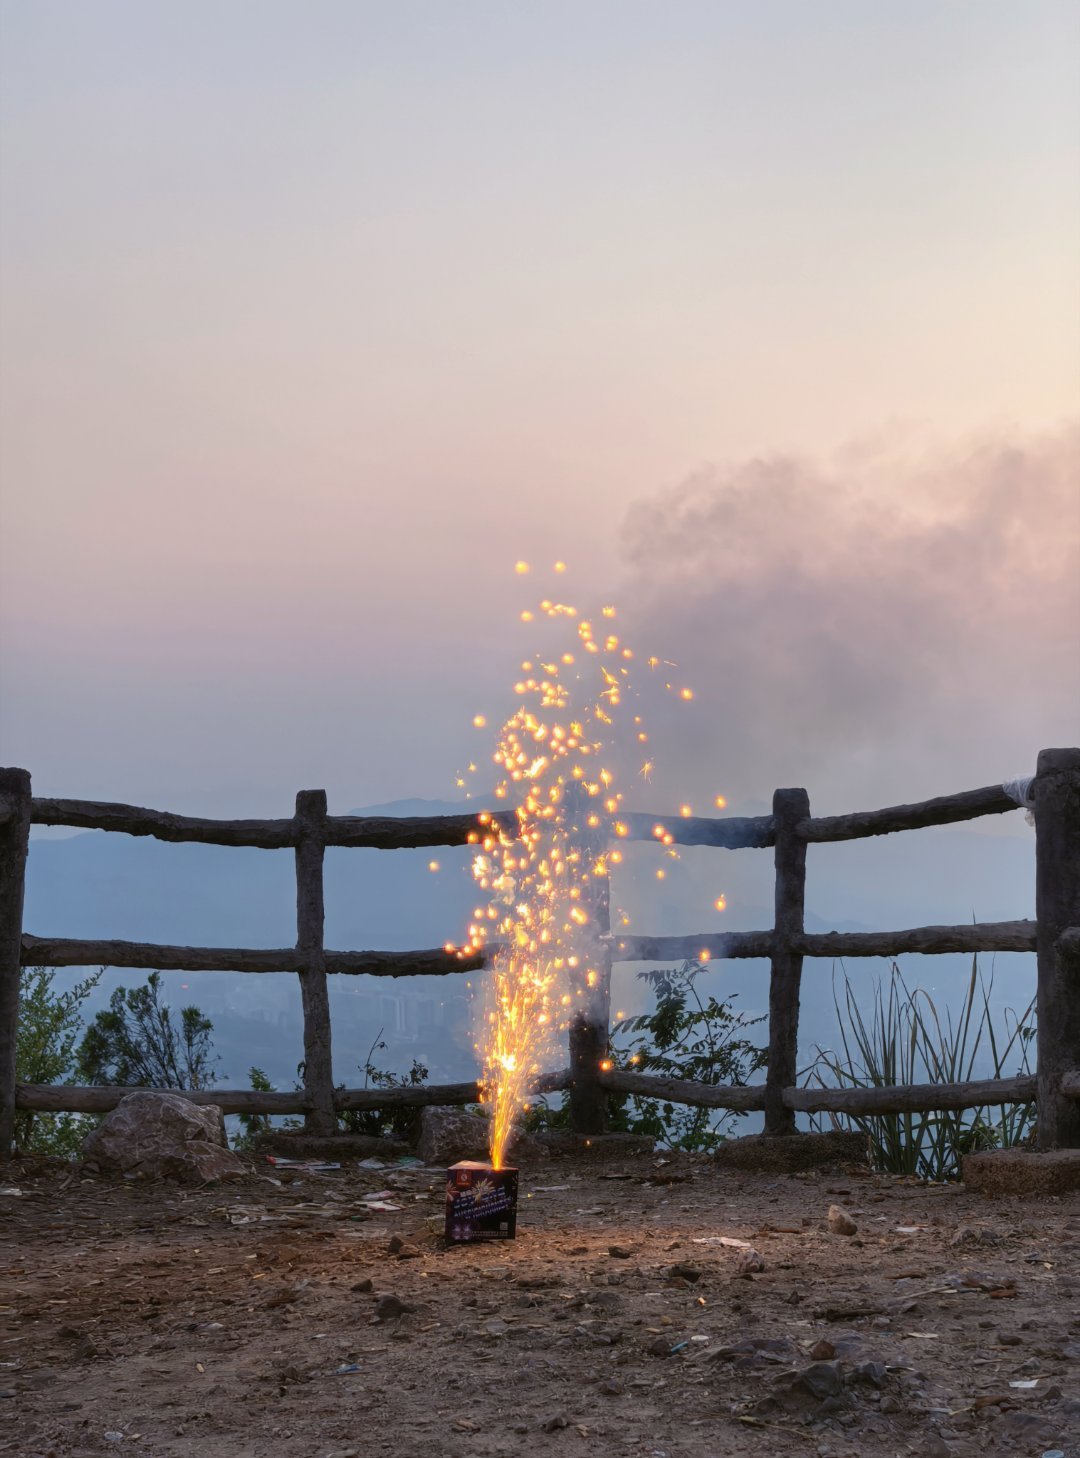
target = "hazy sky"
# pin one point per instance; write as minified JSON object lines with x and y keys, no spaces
{"x":766,"y":317}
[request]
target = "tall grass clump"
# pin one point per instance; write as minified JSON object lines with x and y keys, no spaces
{"x":902,"y":1038}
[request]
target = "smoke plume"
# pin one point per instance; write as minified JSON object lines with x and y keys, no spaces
{"x":896,"y":622}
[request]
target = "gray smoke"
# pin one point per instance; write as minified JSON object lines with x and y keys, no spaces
{"x":891,"y":624}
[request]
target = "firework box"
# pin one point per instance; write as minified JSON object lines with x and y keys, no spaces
{"x":481,"y":1202}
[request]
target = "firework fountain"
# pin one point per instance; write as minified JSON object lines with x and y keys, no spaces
{"x":544,"y":865}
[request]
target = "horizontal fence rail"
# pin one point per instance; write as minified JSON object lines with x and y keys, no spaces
{"x":887,"y":1099}
{"x":748,"y":1098}
{"x":945,"y":810}
{"x":1054,"y":935}
{"x":69,"y":1098}
{"x":69,"y":952}
{"x":374,"y":831}
{"x":996,"y":936}
{"x":1001,"y":936}
{"x":416,"y":832}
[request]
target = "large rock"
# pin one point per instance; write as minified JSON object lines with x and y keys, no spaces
{"x":787,"y":1153}
{"x":1023,"y":1171}
{"x":163,"y":1135}
{"x":447,"y":1135}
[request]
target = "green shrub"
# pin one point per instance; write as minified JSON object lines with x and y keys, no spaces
{"x":903,"y":1039}
{"x":50,"y":1022}
{"x":394,"y":1123}
{"x":135,"y":1043}
{"x":683,"y":1037}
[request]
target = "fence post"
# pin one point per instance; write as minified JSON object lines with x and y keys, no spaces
{"x":318,"y":1066}
{"x":789,"y":807}
{"x":14,"y":841}
{"x":590,"y":1028}
{"x":1057,"y":908}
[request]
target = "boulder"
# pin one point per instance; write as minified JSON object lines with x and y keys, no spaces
{"x":788,"y":1153}
{"x":447,"y":1135}
{"x":163,"y":1135}
{"x":1028,"y":1172}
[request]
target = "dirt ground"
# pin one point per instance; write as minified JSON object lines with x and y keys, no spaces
{"x":245,"y":1320}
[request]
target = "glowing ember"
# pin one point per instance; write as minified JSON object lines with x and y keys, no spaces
{"x":545,"y":869}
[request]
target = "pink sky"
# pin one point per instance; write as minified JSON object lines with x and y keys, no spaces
{"x":314,"y":319}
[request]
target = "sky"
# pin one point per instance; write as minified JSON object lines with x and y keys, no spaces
{"x":315,"y":319}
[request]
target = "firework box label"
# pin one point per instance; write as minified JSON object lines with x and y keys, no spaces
{"x":481,"y":1202}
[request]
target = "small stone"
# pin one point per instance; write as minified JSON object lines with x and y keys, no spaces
{"x":820,"y":1380}
{"x":520,"y":1428}
{"x":496,"y":1328}
{"x":661,"y":1347}
{"x":366,"y":1285}
{"x":749,"y":1263}
{"x":620,"y":1252}
{"x":891,"y":1404}
{"x":389,"y":1308}
{"x":402,"y":1249}
{"x":871,"y":1372}
{"x":823,"y":1351}
{"x":973,"y":1235}
{"x":611,"y":1388}
{"x":682,"y":1271}
{"x":1008,"y":1339}
{"x":553,"y":1424}
{"x":840,"y":1222}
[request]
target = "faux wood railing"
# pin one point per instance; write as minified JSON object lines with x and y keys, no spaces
{"x":1054,"y":936}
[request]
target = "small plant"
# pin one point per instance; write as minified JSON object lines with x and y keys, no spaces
{"x":687,"y":1038}
{"x":136,"y":1043}
{"x":904,"y":1040}
{"x":252,"y":1125}
{"x":392,"y":1123}
{"x":683,"y":1037}
{"x":50,"y":1022}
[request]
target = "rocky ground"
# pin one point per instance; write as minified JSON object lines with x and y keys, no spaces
{"x":308,"y":1318}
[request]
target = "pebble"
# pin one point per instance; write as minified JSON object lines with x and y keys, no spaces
{"x":685,"y":1272}
{"x":404,"y":1251}
{"x":389,"y":1308}
{"x":367,"y":1285}
{"x":553,"y":1424}
{"x":749,"y":1262}
{"x":611,"y":1388}
{"x":822,"y":1351}
{"x":620,"y":1252}
{"x":840,"y":1222}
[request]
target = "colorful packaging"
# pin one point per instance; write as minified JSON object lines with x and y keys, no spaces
{"x":481,"y":1202}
